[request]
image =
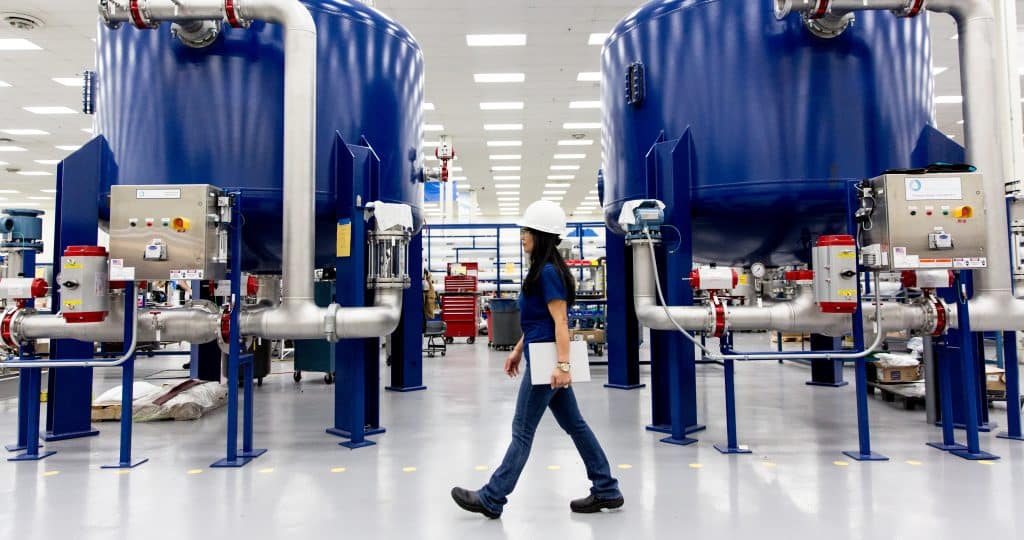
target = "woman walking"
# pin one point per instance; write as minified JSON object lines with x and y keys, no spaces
{"x":547,"y":293}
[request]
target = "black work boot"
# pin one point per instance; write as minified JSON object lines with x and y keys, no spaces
{"x":592,"y":505}
{"x":470,"y":502}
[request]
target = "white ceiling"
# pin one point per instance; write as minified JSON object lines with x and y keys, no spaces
{"x":557,"y":50}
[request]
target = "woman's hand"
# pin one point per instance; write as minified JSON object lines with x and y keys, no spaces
{"x":560,"y":379}
{"x":512,"y":362}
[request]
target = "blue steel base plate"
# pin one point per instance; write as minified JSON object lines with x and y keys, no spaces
{"x":32,"y":457}
{"x":828,"y":385}
{"x":228,"y":464}
{"x":338,"y":432}
{"x":254,"y":453}
{"x":404,"y":388}
{"x":625,"y":386}
{"x":685,"y":441}
{"x":667,"y":428}
{"x":353,"y":445}
{"x":857,"y":456}
{"x":131,"y":465}
{"x":1006,"y":435}
{"x":946,"y":447}
{"x":50,"y":437}
{"x":16,"y":447}
{"x":980,"y":455}
{"x":724,"y":448}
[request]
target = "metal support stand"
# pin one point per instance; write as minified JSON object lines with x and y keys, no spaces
{"x":236,"y":359}
{"x":732,"y":446}
{"x":826,"y":373}
{"x":127,"y":385}
{"x":973,"y":450}
{"x":24,"y":402}
{"x":33,"y":385}
{"x":1013,"y":423}
{"x":948,"y":443}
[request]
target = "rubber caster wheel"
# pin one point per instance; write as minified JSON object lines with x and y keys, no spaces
{"x":430,"y":355}
{"x":259,"y":382}
{"x":443,"y":353}
{"x":449,"y":340}
{"x":297,"y":376}
{"x":329,"y":378}
{"x":471,"y":340}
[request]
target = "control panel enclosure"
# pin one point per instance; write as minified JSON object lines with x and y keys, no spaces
{"x":917,"y":221}
{"x":169,"y":231}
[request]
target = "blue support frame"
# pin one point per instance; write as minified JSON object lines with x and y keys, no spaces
{"x":29,"y":379}
{"x":1013,"y":421}
{"x":967,"y":363}
{"x":732,"y":445}
{"x":127,"y":386}
{"x":234,"y":457}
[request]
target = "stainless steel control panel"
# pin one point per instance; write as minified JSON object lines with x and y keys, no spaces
{"x":169,"y":231}
{"x":934,"y":220}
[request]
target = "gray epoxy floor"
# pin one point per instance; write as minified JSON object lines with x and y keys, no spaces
{"x":795,"y":485}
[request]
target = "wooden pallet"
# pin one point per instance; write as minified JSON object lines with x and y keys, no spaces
{"x":891,"y":394}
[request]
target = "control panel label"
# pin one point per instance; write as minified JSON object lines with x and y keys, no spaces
{"x":189,"y":273}
{"x":970,"y":262}
{"x":157,"y":193}
{"x":934,"y":188}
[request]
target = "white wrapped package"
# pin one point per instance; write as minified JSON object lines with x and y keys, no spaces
{"x":392,"y":216}
{"x":893,"y":360}
{"x":189,"y":404}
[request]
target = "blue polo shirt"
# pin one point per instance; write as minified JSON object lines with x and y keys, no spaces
{"x":538,"y":326}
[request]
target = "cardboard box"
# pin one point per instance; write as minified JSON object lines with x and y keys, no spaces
{"x":898,"y":374}
{"x":590,"y":336}
{"x":995,"y":379}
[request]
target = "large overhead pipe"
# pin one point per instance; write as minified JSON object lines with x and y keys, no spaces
{"x":993,"y":306}
{"x":297,"y":316}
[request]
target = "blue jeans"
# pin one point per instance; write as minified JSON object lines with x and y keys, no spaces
{"x":530,"y":407}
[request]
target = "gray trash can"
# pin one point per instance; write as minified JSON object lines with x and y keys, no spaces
{"x":505,"y":329}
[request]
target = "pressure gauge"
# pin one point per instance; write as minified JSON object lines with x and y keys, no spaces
{"x":757,"y":270}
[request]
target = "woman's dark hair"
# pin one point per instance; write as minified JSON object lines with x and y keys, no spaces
{"x":545,"y":250}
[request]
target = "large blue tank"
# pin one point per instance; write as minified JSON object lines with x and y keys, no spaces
{"x":173,"y":114}
{"x":777,"y":117}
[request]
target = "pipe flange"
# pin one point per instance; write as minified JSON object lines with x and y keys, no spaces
{"x":331,"y":323}
{"x":721,"y":318}
{"x":233,"y":15}
{"x":139,"y":13}
{"x":10,"y":325}
{"x":197,"y":34}
{"x":107,"y":9}
{"x":830,"y":26}
{"x":912,"y":9}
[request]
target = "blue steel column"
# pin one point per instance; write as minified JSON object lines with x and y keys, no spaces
{"x":732,"y":445}
{"x":76,"y":220}
{"x":127,"y":385}
{"x":28,"y":396}
{"x":407,"y":341}
{"x":967,"y":368}
{"x":1013,"y":424}
{"x":622,"y":328}
{"x":944,"y":368}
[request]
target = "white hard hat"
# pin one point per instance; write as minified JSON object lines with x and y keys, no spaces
{"x":544,"y":216}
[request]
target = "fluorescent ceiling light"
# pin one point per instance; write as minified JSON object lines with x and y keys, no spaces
{"x":960,"y":123}
{"x":495,"y":40}
{"x":589,"y":76}
{"x":24,"y":132}
{"x":584,"y":104}
{"x":47,"y":161}
{"x":430,"y":157}
{"x":462,"y":187}
{"x":593,"y":192}
{"x":431,"y":144}
{"x":433,"y":127}
{"x":557,"y":185}
{"x":565,"y":167}
{"x":506,"y":168}
{"x":507,"y":186}
{"x":77,"y":82}
{"x":11,"y":149}
{"x":457,"y":178}
{"x":570,"y":156}
{"x":594,"y":198}
{"x":949,"y":100}
{"x":501,"y":106}
{"x":427,"y":106}
{"x":504,"y":143}
{"x":561,"y":177}
{"x":553,"y":198}
{"x":34,"y":173}
{"x":597,"y":38}
{"x":507,"y":177}
{"x":586,"y":203}
{"x":576,"y":142}
{"x":49,"y":110}
{"x":503,"y":127}
{"x":18,"y":44}
{"x":41,"y":198}
{"x":938,"y":70}
{"x":5,"y":84}
{"x":3,"y":163}
{"x":499,"y":77}
{"x":508,"y":193}
{"x":87,"y":130}
{"x":581,"y":125}
{"x":48,"y":190}
{"x":508,"y":198}
{"x":9,"y":191}
{"x":509,"y":204}
{"x":455,"y":169}
{"x":506,"y":157}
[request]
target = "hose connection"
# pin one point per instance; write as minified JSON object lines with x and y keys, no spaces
{"x":389,"y":260}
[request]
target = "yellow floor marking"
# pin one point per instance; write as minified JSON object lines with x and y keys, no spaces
{"x":769,"y":464}
{"x":625,"y":466}
{"x":408,"y":469}
{"x":986,"y":462}
{"x":51,"y":473}
{"x":338,"y":469}
{"x":268,"y":470}
{"x":194,"y":471}
{"x":841,"y":463}
{"x":124,"y":471}
{"x":913,"y":462}
{"x":696,"y":466}
{"x":480,"y":468}
{"x":554,"y":468}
